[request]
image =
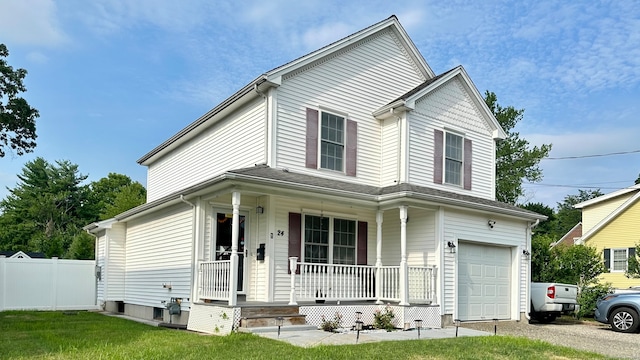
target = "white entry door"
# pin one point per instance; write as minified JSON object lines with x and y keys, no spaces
{"x":484,"y":282}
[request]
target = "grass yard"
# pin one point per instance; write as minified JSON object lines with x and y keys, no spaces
{"x":88,"y":335}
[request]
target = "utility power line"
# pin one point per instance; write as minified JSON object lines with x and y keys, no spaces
{"x":592,"y":156}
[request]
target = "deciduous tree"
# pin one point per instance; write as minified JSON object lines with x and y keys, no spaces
{"x":17,"y":117}
{"x":515,"y":158}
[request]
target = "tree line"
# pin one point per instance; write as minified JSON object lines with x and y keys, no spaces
{"x":50,"y":205}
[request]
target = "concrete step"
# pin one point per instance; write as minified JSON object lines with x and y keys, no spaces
{"x":270,"y":320}
{"x":255,"y":311}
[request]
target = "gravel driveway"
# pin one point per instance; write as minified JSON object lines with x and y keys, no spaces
{"x":582,"y":335}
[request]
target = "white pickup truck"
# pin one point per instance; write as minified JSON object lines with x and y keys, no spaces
{"x":550,"y":300}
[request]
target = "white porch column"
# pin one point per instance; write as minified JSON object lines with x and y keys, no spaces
{"x":404,"y":271}
{"x":235,"y":230}
{"x":293,"y":264}
{"x":379,"y":218}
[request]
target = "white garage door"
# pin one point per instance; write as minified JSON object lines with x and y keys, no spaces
{"x":484,"y":282}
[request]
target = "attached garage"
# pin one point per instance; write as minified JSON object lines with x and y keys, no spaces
{"x":484,"y":282}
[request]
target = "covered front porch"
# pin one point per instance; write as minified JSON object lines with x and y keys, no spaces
{"x":302,"y":278}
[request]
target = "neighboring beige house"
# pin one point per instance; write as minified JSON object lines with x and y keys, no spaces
{"x":611,"y":224}
{"x":353,"y":175}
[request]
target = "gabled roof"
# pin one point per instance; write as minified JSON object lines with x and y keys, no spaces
{"x":274,"y":78}
{"x":262,"y":178}
{"x":608,"y":196}
{"x":614,"y":214}
{"x":408,"y":100}
{"x":21,"y":254}
{"x":569,"y":238}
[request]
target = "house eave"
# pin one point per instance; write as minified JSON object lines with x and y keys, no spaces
{"x":232,"y":103}
{"x":434,"y":200}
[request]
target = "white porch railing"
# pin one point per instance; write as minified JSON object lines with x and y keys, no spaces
{"x":336,"y":282}
{"x":215,"y":278}
{"x":331,"y":282}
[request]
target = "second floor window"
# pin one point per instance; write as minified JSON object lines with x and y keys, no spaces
{"x":332,"y":142}
{"x":453,"y":159}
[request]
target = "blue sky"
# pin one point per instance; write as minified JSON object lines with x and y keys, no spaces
{"x":114,"y":78}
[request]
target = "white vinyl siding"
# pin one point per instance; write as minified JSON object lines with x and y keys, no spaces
{"x":101,"y":248}
{"x":159,"y":251}
{"x":236,"y":142}
{"x":355,"y":82}
{"x":117,"y":261}
{"x":450,"y":107}
{"x":389,"y":167}
{"x":471,"y":227}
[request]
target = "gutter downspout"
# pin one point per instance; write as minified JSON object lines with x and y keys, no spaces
{"x":95,"y":261}
{"x":529,"y":230}
{"x":268,"y":123}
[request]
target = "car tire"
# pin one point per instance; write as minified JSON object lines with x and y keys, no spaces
{"x":624,"y":320}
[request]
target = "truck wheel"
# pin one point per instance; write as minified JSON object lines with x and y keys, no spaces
{"x":624,"y":320}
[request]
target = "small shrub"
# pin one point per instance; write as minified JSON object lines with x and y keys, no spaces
{"x":588,"y":297}
{"x":384,"y":319}
{"x":331,"y":325}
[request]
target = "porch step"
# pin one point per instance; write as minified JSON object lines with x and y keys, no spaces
{"x":265,"y":316}
{"x":275,"y":328}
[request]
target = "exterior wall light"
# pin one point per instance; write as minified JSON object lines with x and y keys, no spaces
{"x":259,"y":209}
{"x":491,"y":223}
{"x":526,"y":253}
{"x":452,"y":246}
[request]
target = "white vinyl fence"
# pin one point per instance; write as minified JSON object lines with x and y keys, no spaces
{"x":47,"y":284}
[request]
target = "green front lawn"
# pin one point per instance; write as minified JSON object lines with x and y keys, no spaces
{"x":87,"y":335}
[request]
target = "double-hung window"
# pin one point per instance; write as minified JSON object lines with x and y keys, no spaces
{"x":453,"y":159}
{"x":329,"y":240}
{"x":332,"y":136}
{"x":617,"y":260}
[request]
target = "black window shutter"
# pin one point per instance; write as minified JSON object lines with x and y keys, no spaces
{"x":312,"y":139}
{"x":632,"y":252}
{"x":295,"y":238}
{"x":362,"y":243}
{"x":607,"y":258}
{"x":438,"y":155}
{"x":467,"y":163}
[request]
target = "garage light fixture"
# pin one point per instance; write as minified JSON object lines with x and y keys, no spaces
{"x":526,"y":253}
{"x":491,"y":223}
{"x":452,"y":246}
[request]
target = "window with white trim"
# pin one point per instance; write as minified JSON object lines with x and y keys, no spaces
{"x":453,"y":159}
{"x":620,"y":258}
{"x":329,"y":240}
{"x":332,"y":136}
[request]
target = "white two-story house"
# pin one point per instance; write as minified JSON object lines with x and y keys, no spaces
{"x":353,"y":175}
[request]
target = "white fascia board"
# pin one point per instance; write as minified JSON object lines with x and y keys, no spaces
{"x":394,"y":109}
{"x":100,"y":225}
{"x":608,"y":196}
{"x":604,"y":222}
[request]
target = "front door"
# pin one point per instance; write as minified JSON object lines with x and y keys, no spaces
{"x":223,"y":242}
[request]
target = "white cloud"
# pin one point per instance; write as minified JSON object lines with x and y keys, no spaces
{"x":37,"y":57}
{"x":31,"y":22}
